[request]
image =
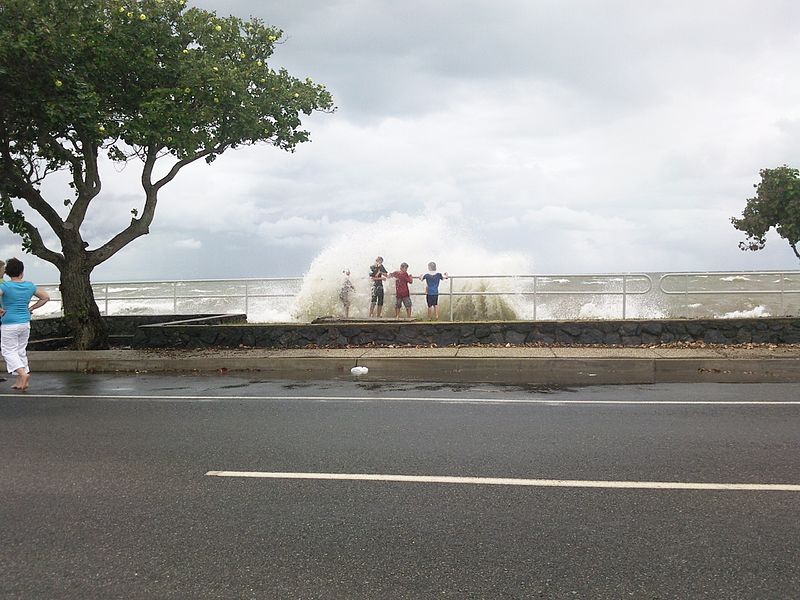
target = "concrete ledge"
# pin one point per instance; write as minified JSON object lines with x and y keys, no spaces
{"x":477,"y":365}
{"x":734,"y":370}
{"x":513,"y":370}
{"x":113,"y":362}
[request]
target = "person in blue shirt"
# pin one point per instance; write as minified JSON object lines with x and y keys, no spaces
{"x":432,"y":279}
{"x":15,"y":296}
{"x":2,"y":274}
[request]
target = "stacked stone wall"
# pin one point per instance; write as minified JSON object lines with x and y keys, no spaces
{"x":516,"y":333}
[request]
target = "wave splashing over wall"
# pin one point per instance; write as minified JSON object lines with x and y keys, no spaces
{"x":416,"y":240}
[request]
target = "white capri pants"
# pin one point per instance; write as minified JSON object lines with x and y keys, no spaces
{"x":14,"y":345}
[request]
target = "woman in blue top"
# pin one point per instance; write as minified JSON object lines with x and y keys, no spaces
{"x":16,"y":319}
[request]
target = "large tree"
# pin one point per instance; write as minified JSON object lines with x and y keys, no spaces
{"x":144,"y":81}
{"x":776,"y":204}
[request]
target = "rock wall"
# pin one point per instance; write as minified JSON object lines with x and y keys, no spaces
{"x":566,"y":333}
{"x":51,"y":333}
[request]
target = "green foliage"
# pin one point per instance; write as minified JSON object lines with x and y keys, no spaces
{"x":144,"y":79}
{"x":137,"y":78}
{"x":14,"y":220}
{"x":129,"y":74}
{"x":776,"y":204}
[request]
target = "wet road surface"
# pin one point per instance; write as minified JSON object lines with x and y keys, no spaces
{"x":106,"y":491}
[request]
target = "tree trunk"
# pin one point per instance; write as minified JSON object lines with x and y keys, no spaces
{"x":80,"y":310}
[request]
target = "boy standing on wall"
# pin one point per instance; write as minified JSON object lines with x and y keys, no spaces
{"x":345,"y":292}
{"x":432,"y":279}
{"x":377,"y":273}
{"x":402,"y":279}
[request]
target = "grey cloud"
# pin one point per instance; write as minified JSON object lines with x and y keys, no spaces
{"x":628,"y":132}
{"x":385,"y":57}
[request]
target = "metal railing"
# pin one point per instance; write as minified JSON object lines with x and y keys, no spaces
{"x":533,"y":287}
{"x":697,"y":276}
{"x":175,"y":296}
{"x":536,"y":292}
{"x":104,"y":295}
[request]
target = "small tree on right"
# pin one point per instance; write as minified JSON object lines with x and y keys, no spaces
{"x":776,"y":204}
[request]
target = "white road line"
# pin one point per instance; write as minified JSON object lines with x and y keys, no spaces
{"x":571,"y":483}
{"x":544,"y":401}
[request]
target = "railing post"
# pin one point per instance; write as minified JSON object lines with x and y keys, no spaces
{"x":451,"y":299}
{"x":783,"y":313}
{"x":686,"y":293}
{"x":624,"y":296}
{"x":174,"y":297}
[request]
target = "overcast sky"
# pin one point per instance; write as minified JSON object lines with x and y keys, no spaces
{"x":585,"y":136}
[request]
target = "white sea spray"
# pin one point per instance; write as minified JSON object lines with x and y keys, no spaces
{"x":758,"y":311}
{"x":417,"y":241}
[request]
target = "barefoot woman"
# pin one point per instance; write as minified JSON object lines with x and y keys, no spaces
{"x":16,"y":298}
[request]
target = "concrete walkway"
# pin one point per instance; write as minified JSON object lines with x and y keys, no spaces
{"x":515,"y":365}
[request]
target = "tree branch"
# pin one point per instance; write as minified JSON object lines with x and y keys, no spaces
{"x":67,"y":156}
{"x":182,"y":163}
{"x":34,"y":199}
{"x":31,"y":238}
{"x":22,"y":188}
{"x":92,"y":172}
{"x":151,"y":155}
{"x":141,"y":226}
{"x":89,"y":188}
{"x":39,"y":249}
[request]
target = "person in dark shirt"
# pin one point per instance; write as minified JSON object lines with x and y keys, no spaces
{"x":377,"y":273}
{"x":402,"y":279}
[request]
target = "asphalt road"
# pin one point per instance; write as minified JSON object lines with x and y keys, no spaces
{"x":104,"y":491}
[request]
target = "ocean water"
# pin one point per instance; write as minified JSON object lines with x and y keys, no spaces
{"x":475,"y":297}
{"x":486,"y":284}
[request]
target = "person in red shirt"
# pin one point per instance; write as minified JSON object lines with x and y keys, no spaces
{"x":402,"y":279}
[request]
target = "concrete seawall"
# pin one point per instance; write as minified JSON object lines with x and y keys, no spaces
{"x":520,"y":353}
{"x":626,"y":333}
